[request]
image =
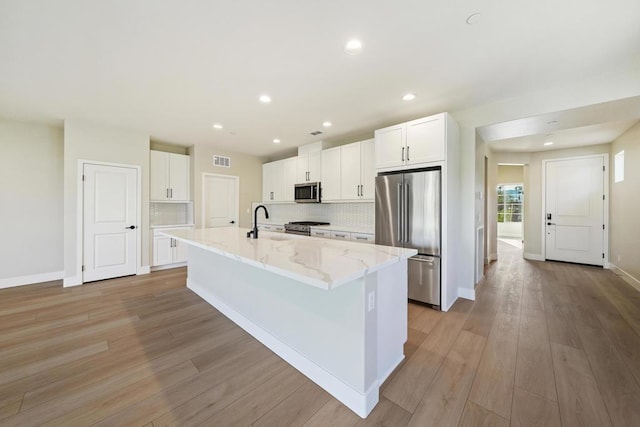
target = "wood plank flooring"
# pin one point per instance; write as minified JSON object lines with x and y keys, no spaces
{"x":544,"y":344}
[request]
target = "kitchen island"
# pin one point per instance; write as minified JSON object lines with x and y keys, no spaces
{"x":335,"y":310}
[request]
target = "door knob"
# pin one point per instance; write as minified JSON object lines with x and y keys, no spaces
{"x":232,"y":222}
{"x":551,"y":223}
{"x":131,"y":227}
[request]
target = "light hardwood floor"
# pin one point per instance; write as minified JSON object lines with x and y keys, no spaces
{"x":544,"y":344}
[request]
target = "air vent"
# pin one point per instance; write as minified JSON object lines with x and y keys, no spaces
{"x":316,"y":132}
{"x":221,"y":161}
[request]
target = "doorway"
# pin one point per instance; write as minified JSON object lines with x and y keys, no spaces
{"x":575,"y":210}
{"x":220,"y":207}
{"x":110,"y":217}
{"x":510,"y":209}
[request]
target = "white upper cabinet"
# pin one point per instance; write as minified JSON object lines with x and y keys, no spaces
{"x":368,"y":169}
{"x":330,"y":179}
{"x":278,"y":180}
{"x":390,"y":146}
{"x":425,"y":140}
{"x":309,"y":167}
{"x":290,"y":178}
{"x":348,"y":172}
{"x":413,"y":143}
{"x":169,"y":176}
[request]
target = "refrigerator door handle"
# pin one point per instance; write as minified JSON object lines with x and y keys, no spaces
{"x":405,"y":199}
{"x":399,"y":212}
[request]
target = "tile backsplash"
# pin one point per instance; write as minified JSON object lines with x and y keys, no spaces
{"x":170,"y":213}
{"x":359,"y":215}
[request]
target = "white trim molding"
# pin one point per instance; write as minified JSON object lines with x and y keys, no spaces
{"x":31,"y":279}
{"x":236,"y":180}
{"x":533,"y":257}
{"x":625,"y":276}
{"x":465,"y":293}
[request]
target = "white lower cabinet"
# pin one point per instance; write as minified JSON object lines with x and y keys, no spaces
{"x":167,"y":250}
{"x":276,"y":228}
{"x":343,"y":235}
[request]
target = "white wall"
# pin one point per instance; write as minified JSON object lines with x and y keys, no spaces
{"x":31,"y":195}
{"x":625,"y":205}
{"x":104,"y":144}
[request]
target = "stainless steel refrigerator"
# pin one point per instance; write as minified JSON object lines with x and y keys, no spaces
{"x":408,"y":212}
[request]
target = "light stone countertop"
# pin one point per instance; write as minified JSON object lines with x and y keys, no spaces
{"x":318,"y":262}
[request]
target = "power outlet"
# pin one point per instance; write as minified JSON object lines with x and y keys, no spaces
{"x":372,"y":301}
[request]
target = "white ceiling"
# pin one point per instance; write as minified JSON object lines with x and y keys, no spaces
{"x":173,"y":68}
{"x":588,"y":125}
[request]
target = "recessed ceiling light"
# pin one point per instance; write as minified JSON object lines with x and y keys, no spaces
{"x":276,"y":141}
{"x":327,"y":124}
{"x":265,"y":99}
{"x":217,"y":126}
{"x":353,"y":47}
{"x":548,"y":143}
{"x":474,"y":18}
{"x":409,"y":97}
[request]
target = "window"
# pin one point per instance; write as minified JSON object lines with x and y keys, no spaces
{"x":510,"y":198}
{"x":618,"y":167}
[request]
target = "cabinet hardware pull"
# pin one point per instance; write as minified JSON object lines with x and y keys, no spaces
{"x":171,"y":191}
{"x":167,"y":193}
{"x":403,"y":154}
{"x":408,"y":153}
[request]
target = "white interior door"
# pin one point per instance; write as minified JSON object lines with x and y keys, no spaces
{"x":109,"y":212}
{"x":574,"y":206}
{"x":220,"y":200}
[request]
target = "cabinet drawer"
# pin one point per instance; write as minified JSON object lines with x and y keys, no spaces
{"x":362,"y":237}
{"x":275,"y":228}
{"x":340,"y":235}
{"x":321,"y":233}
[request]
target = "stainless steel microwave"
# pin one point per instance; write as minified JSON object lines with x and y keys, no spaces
{"x":309,"y":192}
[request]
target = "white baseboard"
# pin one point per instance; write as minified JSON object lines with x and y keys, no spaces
{"x":30,"y":279}
{"x":533,"y":257}
{"x":360,"y":403}
{"x":465,"y":293}
{"x":145,"y":269}
{"x":72,"y":281}
{"x":625,"y":276}
{"x":492,"y":257}
{"x":168,"y":266}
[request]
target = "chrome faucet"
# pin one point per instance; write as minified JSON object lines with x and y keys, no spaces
{"x":254,"y":233}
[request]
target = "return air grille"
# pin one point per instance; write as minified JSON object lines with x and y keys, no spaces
{"x":221,"y":161}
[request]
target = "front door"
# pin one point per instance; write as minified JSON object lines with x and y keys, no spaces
{"x":110,"y":221}
{"x":574,"y":210}
{"x":220,"y":201}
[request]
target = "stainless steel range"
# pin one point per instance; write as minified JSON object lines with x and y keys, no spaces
{"x":302,"y":228}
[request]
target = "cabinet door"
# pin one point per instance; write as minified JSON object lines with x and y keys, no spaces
{"x":425,"y":140}
{"x":350,"y":171}
{"x":315,"y":166}
{"x":180,"y":251}
{"x":267,"y":182}
{"x":290,"y":178}
{"x":277,"y":181}
{"x":367,"y":169}
{"x":159,"y":175}
{"x":390,"y":144}
{"x":303,"y":168}
{"x":162,"y":250}
{"x":330,"y":179}
{"x":179,"y":177}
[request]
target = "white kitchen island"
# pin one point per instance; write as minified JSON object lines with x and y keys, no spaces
{"x":335,"y":310}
